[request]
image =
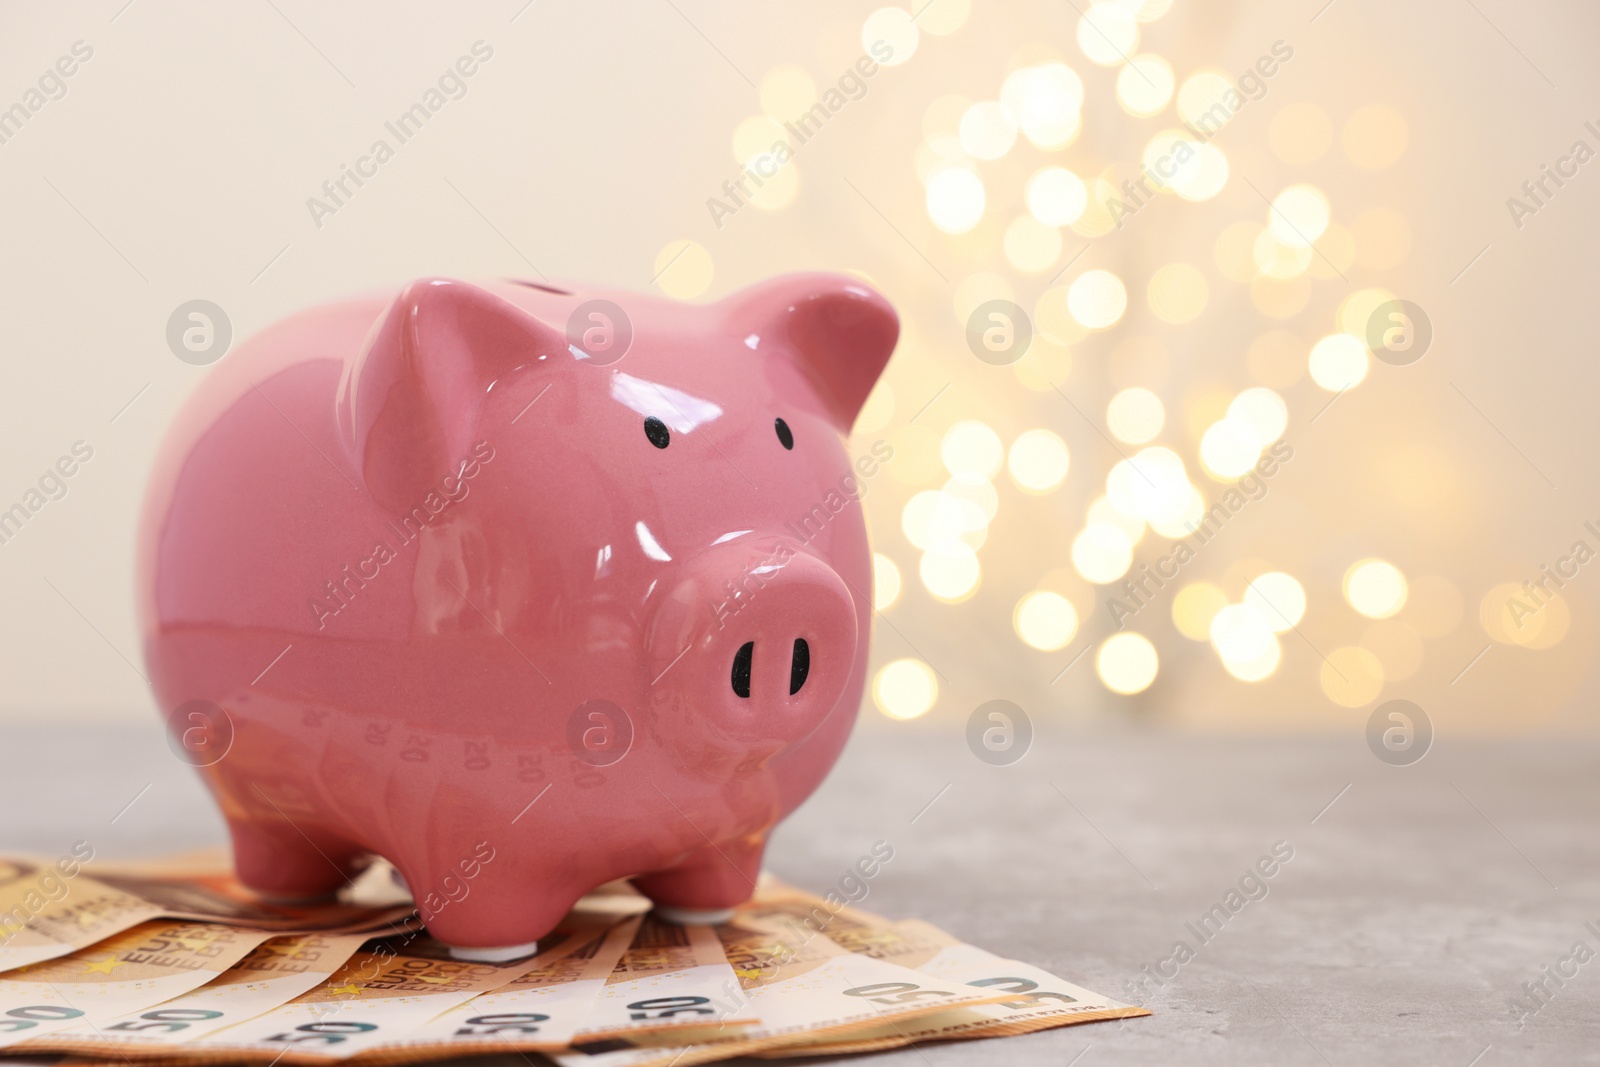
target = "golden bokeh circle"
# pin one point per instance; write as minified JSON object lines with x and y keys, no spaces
{"x":1300,"y":132}
{"x":1352,"y":677}
{"x":1374,"y":136}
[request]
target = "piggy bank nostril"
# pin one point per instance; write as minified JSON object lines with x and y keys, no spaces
{"x":799,"y":665}
{"x":741,"y":668}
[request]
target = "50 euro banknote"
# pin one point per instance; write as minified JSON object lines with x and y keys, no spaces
{"x":128,"y":972}
{"x":383,"y":992}
{"x":791,"y":975}
{"x":1036,"y":999}
{"x":51,"y":908}
{"x":539,"y":1010}
{"x":793,"y":984}
{"x":273,"y":973}
{"x":325,"y":998}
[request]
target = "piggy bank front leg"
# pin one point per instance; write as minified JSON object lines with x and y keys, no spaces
{"x":282,"y":865}
{"x":487,"y":919}
{"x":707,"y":884}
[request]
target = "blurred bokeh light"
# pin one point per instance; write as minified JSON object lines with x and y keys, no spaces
{"x":1180,"y":267}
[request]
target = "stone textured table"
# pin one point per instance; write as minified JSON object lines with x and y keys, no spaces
{"x":1418,"y":901}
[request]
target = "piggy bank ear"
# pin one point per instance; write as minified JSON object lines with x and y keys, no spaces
{"x":409,"y":404}
{"x":840,"y":330}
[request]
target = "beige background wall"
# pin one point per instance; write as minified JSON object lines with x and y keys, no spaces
{"x":179,"y":161}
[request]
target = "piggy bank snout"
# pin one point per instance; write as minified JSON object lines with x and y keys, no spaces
{"x":787,"y":631}
{"x":767,"y":642}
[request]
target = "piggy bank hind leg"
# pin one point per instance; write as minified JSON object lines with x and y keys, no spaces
{"x":707,"y":884}
{"x":487,"y":919}
{"x":284,"y":866}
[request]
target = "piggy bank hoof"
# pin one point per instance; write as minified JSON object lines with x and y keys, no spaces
{"x":499,"y":954}
{"x":694,"y":916}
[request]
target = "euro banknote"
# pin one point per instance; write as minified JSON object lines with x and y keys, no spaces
{"x":791,"y":974}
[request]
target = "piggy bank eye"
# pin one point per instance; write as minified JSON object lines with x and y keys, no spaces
{"x":785,"y":435}
{"x":656,"y":430}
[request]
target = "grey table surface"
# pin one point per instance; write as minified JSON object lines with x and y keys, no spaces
{"x":1418,"y":901}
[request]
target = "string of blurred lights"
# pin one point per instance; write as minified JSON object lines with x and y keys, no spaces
{"x":1296,"y":240}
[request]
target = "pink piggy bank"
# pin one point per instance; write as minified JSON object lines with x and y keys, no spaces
{"x":522,"y":589}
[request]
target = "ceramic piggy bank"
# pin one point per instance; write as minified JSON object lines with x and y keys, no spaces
{"x":522,"y":589}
